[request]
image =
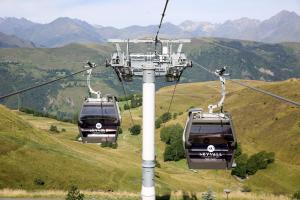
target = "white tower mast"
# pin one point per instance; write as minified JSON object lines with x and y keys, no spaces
{"x":149,"y":66}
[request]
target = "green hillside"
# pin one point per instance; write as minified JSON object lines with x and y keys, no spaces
{"x":24,"y":67}
{"x":21,"y":68}
{"x":245,"y":59}
{"x":28,"y":151}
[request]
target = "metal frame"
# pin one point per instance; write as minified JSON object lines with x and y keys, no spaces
{"x":88,"y":80}
{"x":167,"y":63}
{"x":163,"y":63}
{"x":221,"y":74}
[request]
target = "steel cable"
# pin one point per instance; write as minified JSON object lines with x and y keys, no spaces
{"x":281,"y":98}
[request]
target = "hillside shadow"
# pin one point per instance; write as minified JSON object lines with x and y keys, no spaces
{"x":164,"y":197}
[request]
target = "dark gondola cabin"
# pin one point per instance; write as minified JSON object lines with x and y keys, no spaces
{"x":209,"y":140}
{"x":99,"y":120}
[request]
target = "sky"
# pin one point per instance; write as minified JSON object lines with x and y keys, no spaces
{"x":122,"y":13}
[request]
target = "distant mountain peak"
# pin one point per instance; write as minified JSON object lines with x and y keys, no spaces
{"x":64,"y":20}
{"x":19,"y":20}
{"x":287,"y":13}
{"x":283,"y":17}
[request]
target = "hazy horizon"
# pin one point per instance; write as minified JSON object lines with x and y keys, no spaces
{"x":120,"y":13}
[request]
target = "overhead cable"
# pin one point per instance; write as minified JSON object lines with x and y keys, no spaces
{"x":47,"y":83}
{"x":281,"y":98}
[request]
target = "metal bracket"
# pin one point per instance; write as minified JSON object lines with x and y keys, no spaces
{"x":220,"y":73}
{"x":166,"y":63}
{"x":89,"y":72}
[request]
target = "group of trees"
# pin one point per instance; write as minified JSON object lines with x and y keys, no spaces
{"x":172,"y":136}
{"x":136,"y":100}
{"x":165,"y":118}
{"x":250,"y":165}
{"x":61,"y":116}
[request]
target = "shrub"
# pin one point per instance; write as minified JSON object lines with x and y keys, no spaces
{"x":246,"y":188}
{"x":104,"y":144}
{"x":126,"y":107}
{"x":39,"y":181}
{"x":238,"y":151}
{"x":63,"y":130}
{"x":53,"y":129}
{"x":77,"y":136}
{"x":241,"y":169}
{"x":258,"y":161}
{"x":252,"y":165}
{"x":109,"y":145}
{"x":135,"y":129}
{"x":74,"y":194}
{"x":175,"y":116}
{"x":180,"y":113}
{"x":136,"y":101}
{"x":296,"y":195}
{"x":166,"y":117}
{"x":209,"y":195}
{"x":158,"y":123}
{"x":157,"y":164}
{"x":114,"y":145}
{"x":120,"y":130}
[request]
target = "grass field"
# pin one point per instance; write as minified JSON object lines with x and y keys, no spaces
{"x":178,"y":195}
{"x":28,"y":151}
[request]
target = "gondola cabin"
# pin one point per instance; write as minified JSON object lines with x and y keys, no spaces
{"x":99,"y":120}
{"x":209,"y":140}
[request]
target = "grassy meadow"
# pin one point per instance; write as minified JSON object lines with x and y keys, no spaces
{"x":28,"y":151}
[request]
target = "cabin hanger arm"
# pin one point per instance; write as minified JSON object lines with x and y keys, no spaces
{"x":221,"y":74}
{"x":89,"y":72}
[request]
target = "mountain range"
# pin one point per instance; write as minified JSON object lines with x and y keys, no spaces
{"x":282,"y":27}
{"x":10,"y":41}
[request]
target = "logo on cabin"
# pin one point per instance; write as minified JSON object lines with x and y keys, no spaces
{"x":211,"y":148}
{"x":98,"y":125}
{"x":208,"y":155}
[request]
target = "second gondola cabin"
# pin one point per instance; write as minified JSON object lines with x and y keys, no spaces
{"x":99,"y":120}
{"x":209,"y":140}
